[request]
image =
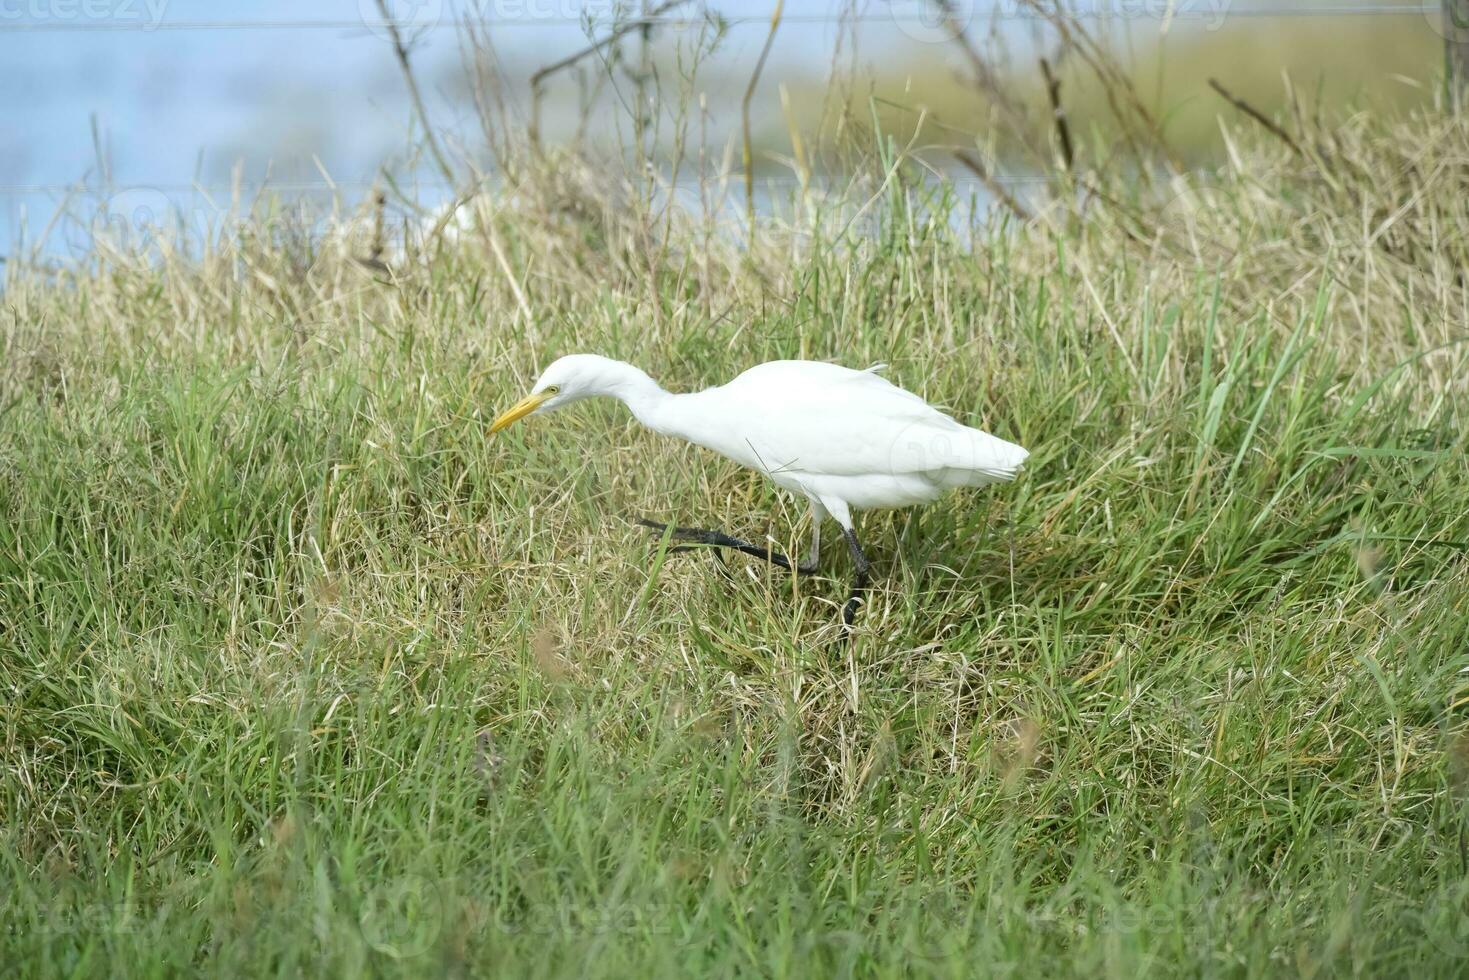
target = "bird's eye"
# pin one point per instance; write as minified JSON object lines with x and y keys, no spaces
{"x":553,"y":390}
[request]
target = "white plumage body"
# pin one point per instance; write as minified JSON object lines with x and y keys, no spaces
{"x":840,"y":437}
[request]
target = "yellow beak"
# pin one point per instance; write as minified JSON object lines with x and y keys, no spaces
{"x":518,"y":411}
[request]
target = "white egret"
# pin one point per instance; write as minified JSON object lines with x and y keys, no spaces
{"x":843,"y":439}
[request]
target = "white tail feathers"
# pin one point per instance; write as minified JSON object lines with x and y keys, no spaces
{"x":995,"y":457}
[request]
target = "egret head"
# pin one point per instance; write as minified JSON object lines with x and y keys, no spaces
{"x":568,"y":379}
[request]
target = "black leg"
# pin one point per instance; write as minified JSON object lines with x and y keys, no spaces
{"x":717,"y":539}
{"x":859,"y":581}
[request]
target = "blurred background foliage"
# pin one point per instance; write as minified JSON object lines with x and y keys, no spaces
{"x":1336,"y":65}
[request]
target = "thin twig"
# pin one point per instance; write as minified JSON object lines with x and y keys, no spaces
{"x":1118,"y":206}
{"x":994,"y":186}
{"x":401,"y":50}
{"x":1063,"y":129}
{"x":1127,"y":106}
{"x":984,"y":75}
{"x":745,"y":116}
{"x":646,"y":21}
{"x":1256,"y":115}
{"x":374,"y":258}
{"x":487,"y":89}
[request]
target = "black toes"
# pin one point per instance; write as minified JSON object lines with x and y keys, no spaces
{"x":656,"y":527}
{"x":692,"y":534}
{"x":694,"y":538}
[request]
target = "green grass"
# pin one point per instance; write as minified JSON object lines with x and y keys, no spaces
{"x":305,"y":673}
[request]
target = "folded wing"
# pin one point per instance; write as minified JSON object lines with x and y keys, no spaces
{"x":822,"y":419}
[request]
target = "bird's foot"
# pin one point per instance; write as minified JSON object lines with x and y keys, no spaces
{"x":845,"y":636}
{"x":858,"y":595}
{"x":695,"y":538}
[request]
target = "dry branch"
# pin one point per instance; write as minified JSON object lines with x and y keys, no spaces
{"x":749,"y":160}
{"x":401,"y":51}
{"x":976,"y":167}
{"x":1256,"y":115}
{"x":618,"y":32}
{"x":1058,"y":114}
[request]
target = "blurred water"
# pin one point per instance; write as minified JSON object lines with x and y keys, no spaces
{"x":128,"y":103}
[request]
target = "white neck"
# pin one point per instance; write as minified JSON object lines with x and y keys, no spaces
{"x":640,"y":393}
